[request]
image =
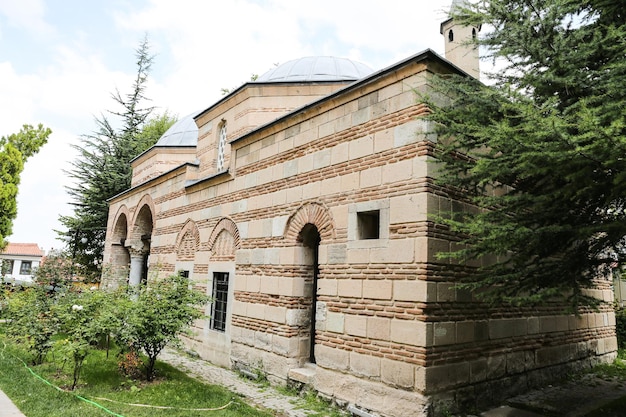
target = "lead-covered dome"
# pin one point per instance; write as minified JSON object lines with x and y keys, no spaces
{"x":182,"y":133}
{"x":317,"y":68}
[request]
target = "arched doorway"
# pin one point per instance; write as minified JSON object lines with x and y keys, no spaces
{"x":308,"y":228}
{"x":120,"y":256}
{"x":310,"y":238}
{"x":139,"y":246}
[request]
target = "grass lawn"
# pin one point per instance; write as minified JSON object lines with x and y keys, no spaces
{"x":100,"y":382}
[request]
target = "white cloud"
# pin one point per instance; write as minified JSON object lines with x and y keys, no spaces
{"x":201,"y":47}
{"x":214,"y":45}
{"x":28,"y":14}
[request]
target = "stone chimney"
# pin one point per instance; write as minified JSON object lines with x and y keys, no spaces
{"x":459,"y":48}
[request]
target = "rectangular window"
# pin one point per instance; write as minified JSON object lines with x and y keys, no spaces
{"x":368,"y":224}
{"x":220,"y":299}
{"x":25,"y":267}
{"x":183,"y":273}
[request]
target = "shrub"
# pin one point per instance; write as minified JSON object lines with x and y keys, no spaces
{"x":159,"y":314}
{"x":31,"y":321}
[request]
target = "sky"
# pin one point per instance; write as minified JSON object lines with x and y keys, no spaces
{"x":60,"y":61}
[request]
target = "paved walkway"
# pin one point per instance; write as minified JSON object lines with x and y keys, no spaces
{"x":574,"y":398}
{"x":7,"y":408}
{"x":255,"y":394}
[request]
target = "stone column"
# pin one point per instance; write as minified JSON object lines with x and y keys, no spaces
{"x":137,"y":251}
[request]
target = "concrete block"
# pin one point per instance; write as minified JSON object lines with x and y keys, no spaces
{"x":515,"y":362}
{"x":269,"y":285}
{"x":253,"y":283}
{"x":290,"y":168}
{"x":339,"y":153}
{"x":413,"y":290}
{"x":444,"y":333}
{"x":350,"y":288}
{"x":336,"y":254}
{"x":407,"y":208}
{"x":331,"y":185}
{"x":378,"y":328}
{"x":327,"y":287}
{"x":321,"y":159}
{"x":377,"y":289}
{"x":436,"y":378}
{"x":278,"y":225}
{"x":410,"y":332}
{"x":398,"y":172}
{"x":349,"y":182}
{"x":501,"y":328}
{"x":421,"y":249}
{"x":478,"y":370}
{"x":533,"y":325}
{"x":553,"y":355}
{"x":297,"y":317}
{"x":364,"y":365}
{"x":437,"y":248}
{"x":446,"y":292}
{"x":383,"y":140}
{"x":332,"y":358}
{"x":358,"y":256}
{"x":361,"y":116}
{"x":355,"y":325}
{"x":335,"y":322}
{"x":291,"y":286}
{"x":496,"y":366}
{"x":397,"y":251}
{"x":465,"y":331}
{"x":275,"y":314}
{"x":285,"y":346}
{"x":397,"y":374}
{"x":361,"y":147}
{"x":408,"y":133}
{"x":548,"y":324}
{"x":256,"y":311}
{"x":371,"y":177}
{"x":239,"y":308}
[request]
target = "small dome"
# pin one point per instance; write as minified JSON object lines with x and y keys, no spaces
{"x":182,"y":133}
{"x":317,"y":68}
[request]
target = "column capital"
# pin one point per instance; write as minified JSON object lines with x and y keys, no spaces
{"x":136,"y":247}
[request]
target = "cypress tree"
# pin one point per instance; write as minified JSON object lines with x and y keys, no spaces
{"x":540,"y":149}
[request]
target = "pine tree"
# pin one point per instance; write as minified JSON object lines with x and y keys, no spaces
{"x":15,"y":149}
{"x":541,"y":150}
{"x":102,"y":168}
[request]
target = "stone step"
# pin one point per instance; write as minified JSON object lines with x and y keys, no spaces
{"x":304,"y":375}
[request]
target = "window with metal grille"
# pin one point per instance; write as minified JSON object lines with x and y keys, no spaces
{"x":220,"y":299}
{"x":221,"y":144}
{"x":26,"y":267}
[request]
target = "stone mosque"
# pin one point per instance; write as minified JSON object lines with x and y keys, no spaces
{"x":303,"y":204}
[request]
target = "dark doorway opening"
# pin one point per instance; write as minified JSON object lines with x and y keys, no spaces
{"x":311,"y":240}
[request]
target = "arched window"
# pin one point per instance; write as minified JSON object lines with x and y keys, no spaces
{"x":221,"y":145}
{"x":450,"y":35}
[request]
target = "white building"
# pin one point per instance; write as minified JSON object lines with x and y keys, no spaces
{"x":19,"y":260}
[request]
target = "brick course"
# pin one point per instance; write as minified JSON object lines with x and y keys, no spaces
{"x":388,"y":318}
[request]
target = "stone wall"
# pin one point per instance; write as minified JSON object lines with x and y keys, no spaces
{"x":393,"y":334}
